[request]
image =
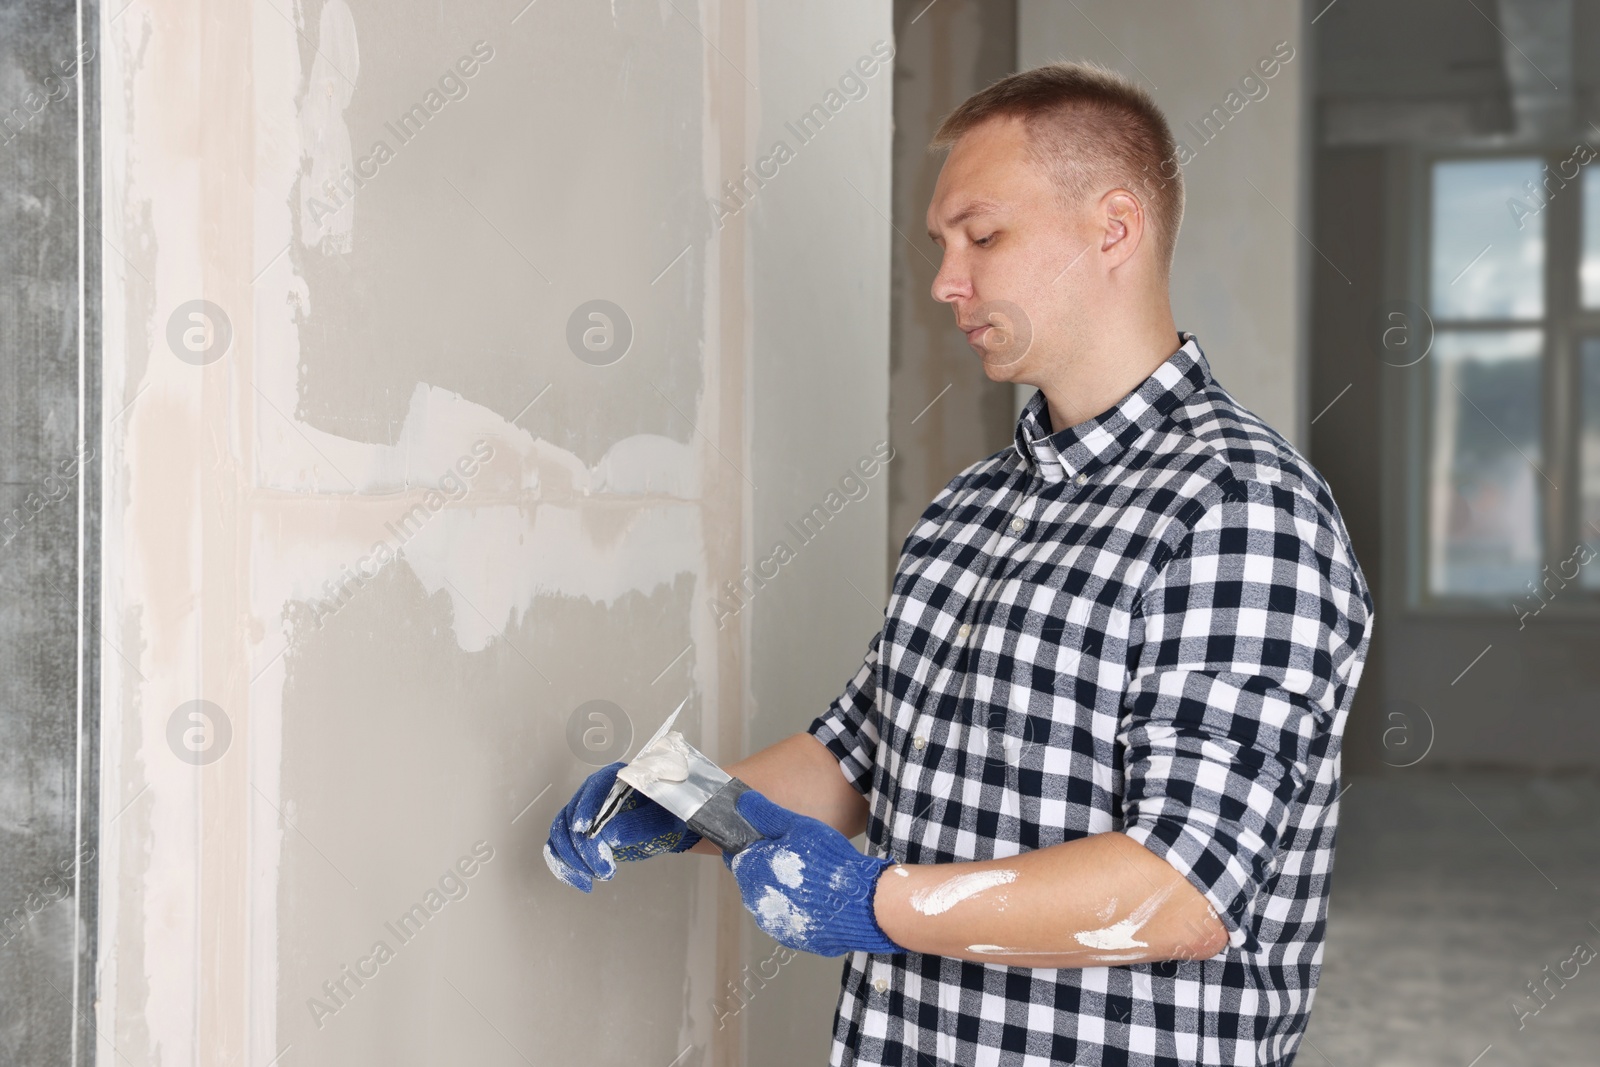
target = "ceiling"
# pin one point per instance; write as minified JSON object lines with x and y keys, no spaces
{"x":1456,"y":70}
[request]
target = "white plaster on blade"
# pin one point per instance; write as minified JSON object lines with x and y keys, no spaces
{"x":935,"y":900}
{"x":667,"y":760}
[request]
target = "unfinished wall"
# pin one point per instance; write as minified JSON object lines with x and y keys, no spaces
{"x":1239,"y":277}
{"x":453,"y":402}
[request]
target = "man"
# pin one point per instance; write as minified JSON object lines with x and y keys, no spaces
{"x":1095,"y":747}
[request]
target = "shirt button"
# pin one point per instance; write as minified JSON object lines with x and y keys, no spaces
{"x":1082,"y":479}
{"x":881,"y":985}
{"x":1017,"y":525}
{"x":919,"y":743}
{"x":963,"y":632}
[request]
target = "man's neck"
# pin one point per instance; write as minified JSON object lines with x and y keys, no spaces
{"x":1093,"y":378}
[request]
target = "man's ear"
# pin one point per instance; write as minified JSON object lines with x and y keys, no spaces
{"x":1122,"y":226}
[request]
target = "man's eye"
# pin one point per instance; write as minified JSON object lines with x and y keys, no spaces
{"x":984,"y":242}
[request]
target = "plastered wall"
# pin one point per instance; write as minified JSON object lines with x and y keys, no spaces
{"x":1240,"y":275}
{"x":447,"y":387}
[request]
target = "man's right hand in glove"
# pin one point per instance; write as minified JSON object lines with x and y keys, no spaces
{"x":641,"y":829}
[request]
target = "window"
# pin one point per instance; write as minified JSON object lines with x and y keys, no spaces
{"x":1589,"y":270}
{"x":1488,"y":260}
{"x":1589,"y":449}
{"x":1513,"y":288}
{"x":1484,"y":528}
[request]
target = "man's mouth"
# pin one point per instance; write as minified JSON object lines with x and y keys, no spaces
{"x":1002,"y":335}
{"x":971,"y":331}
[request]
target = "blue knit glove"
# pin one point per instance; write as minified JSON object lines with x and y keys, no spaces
{"x":641,"y":829}
{"x":806,"y":884}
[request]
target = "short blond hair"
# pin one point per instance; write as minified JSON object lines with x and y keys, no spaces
{"x":1092,"y":130}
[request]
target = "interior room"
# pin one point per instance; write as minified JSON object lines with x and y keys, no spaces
{"x":411,"y":411}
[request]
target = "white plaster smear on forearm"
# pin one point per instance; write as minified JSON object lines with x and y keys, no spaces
{"x":1121,"y":935}
{"x":936,"y":900}
{"x":1075,"y":953}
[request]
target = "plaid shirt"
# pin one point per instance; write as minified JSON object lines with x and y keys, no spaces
{"x":1152,"y":622}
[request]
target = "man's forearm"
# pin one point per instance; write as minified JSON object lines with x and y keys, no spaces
{"x":1097,"y":901}
{"x":1103,"y":899}
{"x":799,"y":773}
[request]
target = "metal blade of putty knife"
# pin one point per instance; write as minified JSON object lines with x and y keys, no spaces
{"x":689,"y":784}
{"x":620,"y":789}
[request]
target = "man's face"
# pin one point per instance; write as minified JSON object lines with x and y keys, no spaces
{"x":1015,"y":263}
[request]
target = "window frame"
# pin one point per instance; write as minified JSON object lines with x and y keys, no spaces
{"x":1564,"y":325}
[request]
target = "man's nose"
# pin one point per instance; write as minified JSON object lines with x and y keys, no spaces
{"x":952,"y":283}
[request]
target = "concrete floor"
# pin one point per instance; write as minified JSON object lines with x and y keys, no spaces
{"x":1442,"y":914}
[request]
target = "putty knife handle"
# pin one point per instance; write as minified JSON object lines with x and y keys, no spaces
{"x":719,"y":821}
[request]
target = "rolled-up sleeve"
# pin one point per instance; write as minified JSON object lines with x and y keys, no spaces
{"x":849,"y":727}
{"x":1250,"y":628}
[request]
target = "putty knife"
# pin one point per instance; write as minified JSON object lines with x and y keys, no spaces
{"x":686,"y":782}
